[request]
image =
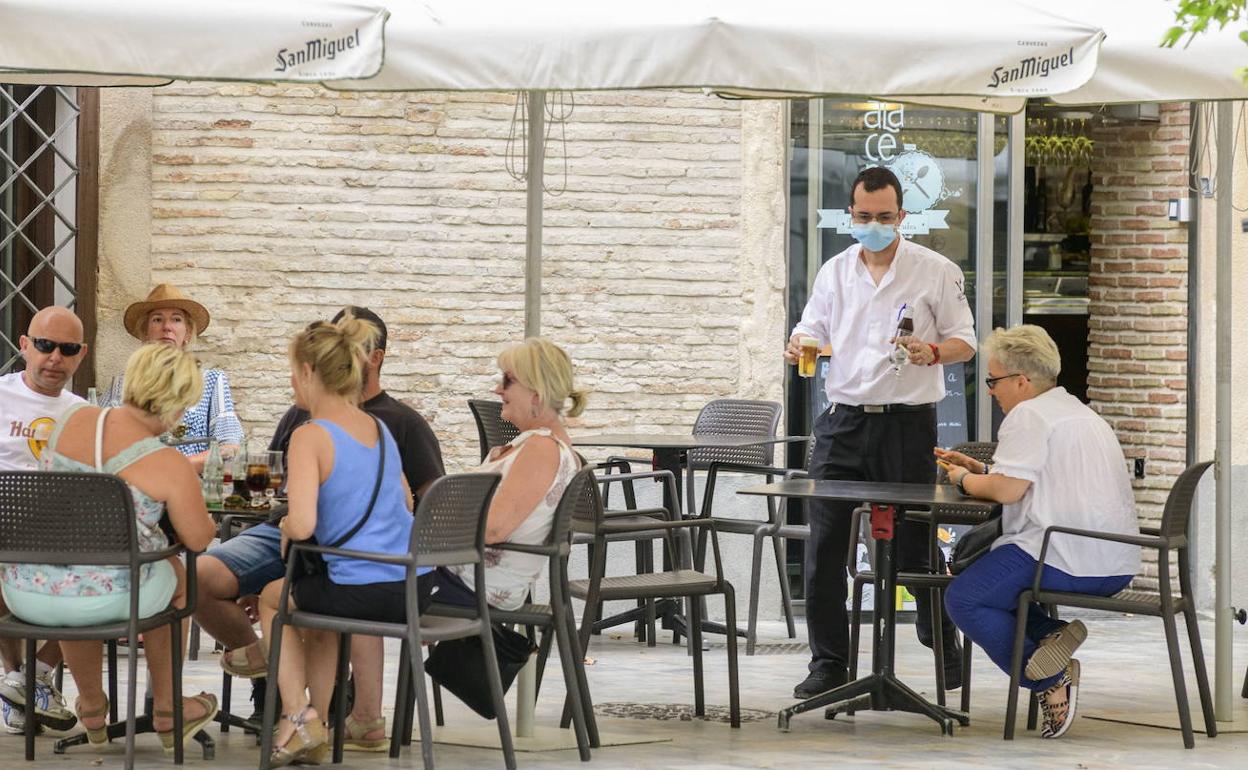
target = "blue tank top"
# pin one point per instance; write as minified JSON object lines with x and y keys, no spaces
{"x":343,"y":499}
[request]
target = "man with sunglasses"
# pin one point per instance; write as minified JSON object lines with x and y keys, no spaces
{"x":232,"y":573}
{"x":31,"y":403}
{"x":881,"y":425}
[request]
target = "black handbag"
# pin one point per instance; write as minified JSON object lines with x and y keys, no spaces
{"x":312,"y":563}
{"x":457,"y":665}
{"x":974,"y":543}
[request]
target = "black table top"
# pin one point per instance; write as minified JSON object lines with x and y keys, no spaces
{"x":680,"y":441}
{"x":884,"y":493}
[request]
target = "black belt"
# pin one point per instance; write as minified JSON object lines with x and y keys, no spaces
{"x":882,"y":408}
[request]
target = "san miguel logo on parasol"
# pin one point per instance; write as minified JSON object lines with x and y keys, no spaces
{"x":1032,"y":66}
{"x":320,"y":48}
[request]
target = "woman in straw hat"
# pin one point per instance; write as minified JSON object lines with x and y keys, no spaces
{"x":168,"y":316}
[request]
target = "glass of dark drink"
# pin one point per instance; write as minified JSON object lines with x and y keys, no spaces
{"x":276,"y":475}
{"x":257,"y":475}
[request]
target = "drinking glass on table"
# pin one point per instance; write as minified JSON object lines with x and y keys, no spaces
{"x":257,"y":475}
{"x":276,"y":476}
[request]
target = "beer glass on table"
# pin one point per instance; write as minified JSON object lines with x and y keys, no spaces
{"x":257,"y":475}
{"x":276,"y":476}
{"x":809,"y":347}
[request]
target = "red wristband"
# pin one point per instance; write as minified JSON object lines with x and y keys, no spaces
{"x":935,"y":354}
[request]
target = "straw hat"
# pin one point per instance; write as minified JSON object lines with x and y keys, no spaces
{"x":164,"y":295}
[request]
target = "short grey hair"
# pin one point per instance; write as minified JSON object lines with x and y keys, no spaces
{"x":1027,"y":349}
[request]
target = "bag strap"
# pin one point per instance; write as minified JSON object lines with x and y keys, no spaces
{"x":381,"y":468}
{"x":99,"y":439}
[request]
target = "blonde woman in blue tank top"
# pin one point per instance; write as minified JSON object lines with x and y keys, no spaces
{"x":331,"y":470}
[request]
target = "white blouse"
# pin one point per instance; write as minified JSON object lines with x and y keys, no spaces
{"x":508,"y":574}
{"x":1078,"y":478}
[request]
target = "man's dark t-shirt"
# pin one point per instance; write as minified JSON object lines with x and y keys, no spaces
{"x":418,"y":446}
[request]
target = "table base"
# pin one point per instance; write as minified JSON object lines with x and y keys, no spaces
{"x":876,"y":692}
{"x":142,"y":724}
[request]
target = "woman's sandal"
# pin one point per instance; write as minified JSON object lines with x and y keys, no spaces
{"x":355,"y":739}
{"x":236,"y":663}
{"x":96,"y":736}
{"x":189,"y":728}
{"x":307,"y":745}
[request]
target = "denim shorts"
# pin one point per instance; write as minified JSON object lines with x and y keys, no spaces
{"x":254,"y":556}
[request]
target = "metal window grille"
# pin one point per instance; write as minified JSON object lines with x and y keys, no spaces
{"x":39,"y":178}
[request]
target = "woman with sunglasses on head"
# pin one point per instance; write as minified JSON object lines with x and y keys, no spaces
{"x":1057,"y":463}
{"x":161,"y":382}
{"x":537,"y":389}
{"x":345,"y":482}
{"x":170,"y":317}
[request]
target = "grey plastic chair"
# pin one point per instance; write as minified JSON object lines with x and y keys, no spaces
{"x":680,"y":581}
{"x":61,"y":518}
{"x":449,"y":529}
{"x":492,"y":429}
{"x":936,"y":580}
{"x":1171,"y":536}
{"x":774,"y":528}
{"x":557,"y":619}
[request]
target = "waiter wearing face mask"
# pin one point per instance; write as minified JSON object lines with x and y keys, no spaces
{"x":881,"y":425}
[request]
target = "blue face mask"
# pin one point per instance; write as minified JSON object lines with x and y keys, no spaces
{"x":875,"y":236}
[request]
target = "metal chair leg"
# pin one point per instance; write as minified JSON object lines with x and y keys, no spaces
{"x":341,"y":674}
{"x":1016,"y":664}
{"x":695,"y":643}
{"x":756,"y":568}
{"x":734,"y":695}
{"x":786,"y":594}
{"x":1202,"y":674}
{"x":1176,"y":673}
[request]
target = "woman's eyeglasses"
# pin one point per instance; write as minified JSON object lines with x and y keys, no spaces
{"x":46,"y":346}
{"x":991,"y":382}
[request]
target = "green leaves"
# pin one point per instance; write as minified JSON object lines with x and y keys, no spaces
{"x":1195,"y":16}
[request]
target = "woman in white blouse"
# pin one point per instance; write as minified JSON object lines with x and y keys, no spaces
{"x":1057,"y":463}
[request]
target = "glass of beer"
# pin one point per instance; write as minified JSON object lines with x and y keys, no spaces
{"x":809,"y":347}
{"x":276,"y":476}
{"x":257,"y":475}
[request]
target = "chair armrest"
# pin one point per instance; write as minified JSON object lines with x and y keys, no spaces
{"x":1144,"y":541}
{"x":658,"y":513}
{"x":757,"y":470}
{"x":147,"y":557}
{"x":373,"y":556}
{"x":539,"y":550}
{"x":1154,"y":531}
{"x":613,"y":478}
{"x":796,"y":473}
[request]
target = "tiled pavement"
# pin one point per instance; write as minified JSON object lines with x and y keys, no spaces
{"x":1124,"y":672}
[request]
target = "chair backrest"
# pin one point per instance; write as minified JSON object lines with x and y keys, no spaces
{"x":976,"y":450}
{"x":450,"y":520}
{"x":1178,"y":509}
{"x":581,"y":502}
{"x":492,"y":429}
{"x":55,"y":517}
{"x":736,"y":417}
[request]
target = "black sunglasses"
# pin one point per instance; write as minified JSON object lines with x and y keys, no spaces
{"x":45,"y":346}
{"x":991,"y":382}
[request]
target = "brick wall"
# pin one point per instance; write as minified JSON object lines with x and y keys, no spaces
{"x":274,"y":206}
{"x":1137,"y":345}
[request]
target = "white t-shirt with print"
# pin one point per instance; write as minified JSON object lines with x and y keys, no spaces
{"x":26,"y":421}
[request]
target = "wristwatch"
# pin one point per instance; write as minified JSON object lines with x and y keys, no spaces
{"x":959,"y":484}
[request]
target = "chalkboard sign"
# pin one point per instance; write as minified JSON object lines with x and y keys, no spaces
{"x":951,"y":414}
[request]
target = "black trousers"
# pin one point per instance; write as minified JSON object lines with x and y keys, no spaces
{"x":852,"y":445}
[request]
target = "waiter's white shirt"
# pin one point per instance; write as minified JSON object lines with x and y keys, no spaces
{"x":857,"y":318}
{"x":1078,"y":479}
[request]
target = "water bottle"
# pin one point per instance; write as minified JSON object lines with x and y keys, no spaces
{"x":214,"y":469}
{"x":905,"y":328}
{"x":93,"y":397}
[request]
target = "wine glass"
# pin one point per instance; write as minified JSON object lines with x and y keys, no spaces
{"x":257,"y":475}
{"x":276,"y":476}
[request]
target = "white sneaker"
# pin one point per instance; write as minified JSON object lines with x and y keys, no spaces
{"x":14,"y":719}
{"x":50,"y":709}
